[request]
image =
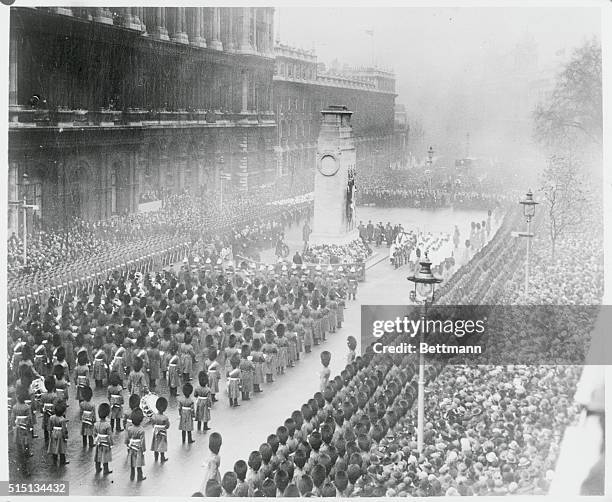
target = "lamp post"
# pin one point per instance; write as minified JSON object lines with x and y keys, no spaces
{"x":430,"y":154}
{"x":428,"y":174}
{"x":23,"y":204}
{"x":529,"y":212}
{"x":424,"y":291}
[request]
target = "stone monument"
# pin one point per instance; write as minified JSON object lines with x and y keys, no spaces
{"x":334,"y":219}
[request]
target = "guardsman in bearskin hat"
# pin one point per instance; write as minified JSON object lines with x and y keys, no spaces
{"x":103,"y":439}
{"x":87,"y":416}
{"x":59,"y":434}
{"x":233,"y":378}
{"x":270,"y":352}
{"x":213,"y":369}
{"x":247,"y":369}
{"x":135,"y":442}
{"x":161,"y":424}
{"x":47,"y":401}
{"x":81,"y":374}
{"x":21,"y":419}
{"x":186,"y":408}
{"x":282,"y":344}
{"x":174,"y":373}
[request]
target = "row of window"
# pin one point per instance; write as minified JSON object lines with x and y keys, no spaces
{"x":294,"y":130}
{"x":295,"y":70}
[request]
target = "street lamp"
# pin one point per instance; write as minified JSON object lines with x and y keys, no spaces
{"x":26,"y":183}
{"x":430,"y":154}
{"x":428,"y":174}
{"x":424,"y":291}
{"x":529,"y":212}
{"x":23,"y":204}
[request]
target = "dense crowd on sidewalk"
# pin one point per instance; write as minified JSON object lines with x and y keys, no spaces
{"x":419,"y":189}
{"x":183,"y":218}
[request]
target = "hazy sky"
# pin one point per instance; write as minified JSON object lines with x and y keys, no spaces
{"x":425,"y":44}
{"x":440,"y":55}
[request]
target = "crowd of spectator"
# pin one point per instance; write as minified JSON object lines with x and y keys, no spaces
{"x":55,"y":255}
{"x":427,"y":198}
{"x":154,"y":194}
{"x":424,"y":189}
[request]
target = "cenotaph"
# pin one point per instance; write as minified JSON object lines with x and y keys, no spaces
{"x":334,"y":219}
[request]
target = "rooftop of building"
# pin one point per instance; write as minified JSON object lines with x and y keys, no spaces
{"x":287,"y":51}
{"x":372,"y":71}
{"x":355,"y":77}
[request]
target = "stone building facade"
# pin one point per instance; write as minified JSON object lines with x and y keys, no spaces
{"x":302,"y":88}
{"x":109,"y":105}
{"x":136,"y":99}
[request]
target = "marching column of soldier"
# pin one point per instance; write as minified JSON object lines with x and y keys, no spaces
{"x":140,"y":336}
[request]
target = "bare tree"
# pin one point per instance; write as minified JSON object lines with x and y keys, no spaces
{"x":566,"y":197}
{"x":572,"y":115}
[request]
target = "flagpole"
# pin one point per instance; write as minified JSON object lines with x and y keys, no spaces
{"x":372,"y":44}
{"x":370,"y":32}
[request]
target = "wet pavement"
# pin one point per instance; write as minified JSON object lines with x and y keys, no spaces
{"x":243,"y":429}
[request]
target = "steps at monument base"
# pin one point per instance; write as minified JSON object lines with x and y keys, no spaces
{"x":375,"y":259}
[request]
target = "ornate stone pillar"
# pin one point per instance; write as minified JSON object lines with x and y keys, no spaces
{"x":14,"y":46}
{"x":195,"y":33}
{"x":266,"y":27}
{"x":245,"y":44}
{"x":245,"y":92}
{"x":206,"y":27}
{"x":63,"y":11}
{"x":215,"y":43}
{"x":148,"y":18}
{"x":138,"y":15}
{"x":230,"y":46}
{"x":178,"y":32}
{"x":271,"y":31}
{"x":159,"y":30}
{"x":253,"y":21}
{"x":103,"y":15}
{"x":128,"y":18}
